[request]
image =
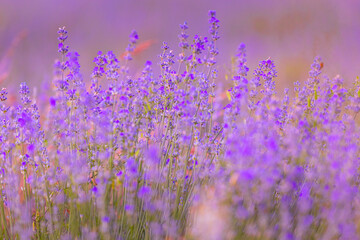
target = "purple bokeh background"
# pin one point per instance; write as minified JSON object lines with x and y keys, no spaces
{"x":291,"y":32}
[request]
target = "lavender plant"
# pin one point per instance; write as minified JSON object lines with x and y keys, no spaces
{"x":157,"y":155}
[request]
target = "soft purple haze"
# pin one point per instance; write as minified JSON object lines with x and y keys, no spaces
{"x":290,"y":32}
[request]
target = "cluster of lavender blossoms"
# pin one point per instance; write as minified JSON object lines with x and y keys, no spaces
{"x":161,"y":155}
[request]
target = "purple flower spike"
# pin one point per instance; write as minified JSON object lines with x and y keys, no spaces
{"x":3,"y":94}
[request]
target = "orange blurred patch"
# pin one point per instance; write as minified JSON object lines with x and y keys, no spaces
{"x":140,"y":48}
{"x":6,"y":59}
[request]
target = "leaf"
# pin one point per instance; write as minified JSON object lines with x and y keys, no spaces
{"x":147,"y":106}
{"x":137,"y":153}
{"x":228,"y":95}
{"x":316,"y":96}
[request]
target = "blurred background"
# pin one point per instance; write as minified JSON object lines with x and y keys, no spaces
{"x":291,"y":32}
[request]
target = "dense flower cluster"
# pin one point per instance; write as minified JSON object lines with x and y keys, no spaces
{"x":164,"y":156}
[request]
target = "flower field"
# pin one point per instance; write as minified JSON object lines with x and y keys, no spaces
{"x":179,"y":151}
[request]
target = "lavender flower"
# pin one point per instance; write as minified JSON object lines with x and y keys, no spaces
{"x":3,"y":94}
